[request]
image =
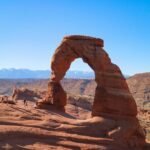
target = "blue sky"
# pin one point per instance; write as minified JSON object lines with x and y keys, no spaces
{"x":30,"y":31}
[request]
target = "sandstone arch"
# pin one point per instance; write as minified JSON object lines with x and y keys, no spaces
{"x":112,"y":94}
{"x":114,"y":110}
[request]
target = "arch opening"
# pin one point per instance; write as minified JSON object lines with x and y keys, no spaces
{"x":80,"y":88}
{"x":79,"y":65}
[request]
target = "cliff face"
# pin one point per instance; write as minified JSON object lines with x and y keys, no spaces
{"x":139,"y":86}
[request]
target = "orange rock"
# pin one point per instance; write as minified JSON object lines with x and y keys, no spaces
{"x":23,"y":93}
{"x":112,"y":94}
{"x":56,"y":95}
{"x":112,"y":97}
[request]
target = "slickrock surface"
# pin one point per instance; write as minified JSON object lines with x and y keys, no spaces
{"x":26,"y":128}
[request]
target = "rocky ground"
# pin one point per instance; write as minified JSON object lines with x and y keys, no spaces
{"x":24,"y":127}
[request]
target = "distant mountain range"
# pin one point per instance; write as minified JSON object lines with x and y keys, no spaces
{"x":41,"y":74}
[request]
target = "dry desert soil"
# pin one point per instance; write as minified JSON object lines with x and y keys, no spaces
{"x":25,"y":127}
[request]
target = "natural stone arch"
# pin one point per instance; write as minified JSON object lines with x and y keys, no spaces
{"x":114,"y":110}
{"x":112,"y":94}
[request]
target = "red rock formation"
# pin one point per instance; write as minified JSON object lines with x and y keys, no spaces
{"x":112,"y":101}
{"x":112,"y":94}
{"x":56,"y":95}
{"x":26,"y":94}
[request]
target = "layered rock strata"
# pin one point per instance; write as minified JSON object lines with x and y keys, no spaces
{"x":113,"y":103}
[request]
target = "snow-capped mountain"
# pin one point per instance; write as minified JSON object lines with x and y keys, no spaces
{"x":40,"y":74}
